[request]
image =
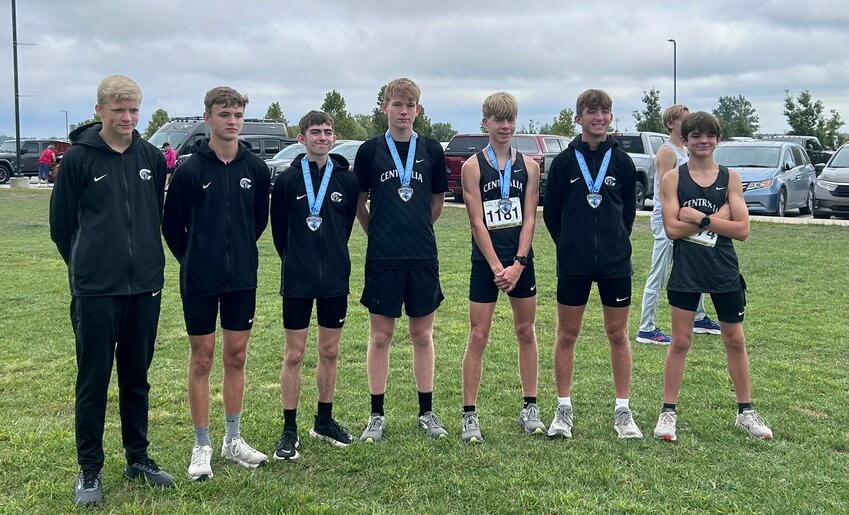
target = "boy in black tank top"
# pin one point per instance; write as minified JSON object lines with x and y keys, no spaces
{"x":405,"y":176}
{"x":501,"y":188}
{"x":703,"y":210}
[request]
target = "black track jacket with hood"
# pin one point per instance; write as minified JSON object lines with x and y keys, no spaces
{"x":105,"y":212}
{"x":315,"y":264}
{"x":214,"y":214}
{"x":591,"y":243}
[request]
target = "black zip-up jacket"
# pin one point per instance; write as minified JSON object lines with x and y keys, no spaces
{"x":315,"y":264}
{"x":591,"y":243}
{"x":105,"y":213}
{"x":214,"y":214}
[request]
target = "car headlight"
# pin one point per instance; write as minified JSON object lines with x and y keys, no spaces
{"x":756,"y":185}
{"x":826,"y":185}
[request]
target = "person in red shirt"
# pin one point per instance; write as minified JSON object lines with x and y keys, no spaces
{"x":170,"y":161}
{"x":45,"y":162}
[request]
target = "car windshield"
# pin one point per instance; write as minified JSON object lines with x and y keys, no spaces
{"x":8,"y":146}
{"x":347,"y":150}
{"x":630,"y":144}
{"x":747,"y":157}
{"x":467,"y":144}
{"x":289,"y":152}
{"x":840,"y":159}
{"x":172,"y":137}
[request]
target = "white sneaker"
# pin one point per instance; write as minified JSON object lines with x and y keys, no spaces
{"x":200,"y":468}
{"x":750,"y":422}
{"x":623,"y":423}
{"x":665,"y":428}
{"x":562,"y":423}
{"x":238,"y":451}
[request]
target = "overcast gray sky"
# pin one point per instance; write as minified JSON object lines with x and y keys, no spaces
{"x":544,"y":52}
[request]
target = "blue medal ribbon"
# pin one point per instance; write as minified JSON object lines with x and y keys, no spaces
{"x":405,"y":173}
{"x":594,"y":198}
{"x":315,"y":201}
{"x":508,"y":170}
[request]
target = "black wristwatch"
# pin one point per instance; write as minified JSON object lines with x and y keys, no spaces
{"x":705,"y":222}
{"x":523,"y":260}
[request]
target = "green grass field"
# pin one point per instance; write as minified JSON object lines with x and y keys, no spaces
{"x":796,"y":328}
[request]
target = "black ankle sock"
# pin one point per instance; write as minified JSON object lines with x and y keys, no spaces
{"x":468,"y":409}
{"x":425,"y":402}
{"x":530,"y":400}
{"x":289,"y":423}
{"x":668,"y":406}
{"x":377,"y":403}
{"x":325,"y":412}
{"x":743,"y":406}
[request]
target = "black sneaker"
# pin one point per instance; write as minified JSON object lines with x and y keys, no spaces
{"x":87,"y":491}
{"x":287,"y":449}
{"x":331,"y":432}
{"x":148,"y":470}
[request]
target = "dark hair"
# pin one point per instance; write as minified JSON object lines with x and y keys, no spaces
{"x":592,"y":98}
{"x":225,"y":97}
{"x":166,"y":144}
{"x":702,"y":122}
{"x":314,"y":118}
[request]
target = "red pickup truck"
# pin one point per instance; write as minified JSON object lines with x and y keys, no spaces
{"x":536,"y":146}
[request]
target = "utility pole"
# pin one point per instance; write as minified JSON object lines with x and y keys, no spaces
{"x":674,"y":70}
{"x":17,"y":105}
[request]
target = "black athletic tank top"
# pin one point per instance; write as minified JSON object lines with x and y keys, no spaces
{"x":696,"y":268}
{"x":505,"y":241}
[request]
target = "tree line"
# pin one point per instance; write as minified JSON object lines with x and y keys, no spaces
{"x":737,"y":117}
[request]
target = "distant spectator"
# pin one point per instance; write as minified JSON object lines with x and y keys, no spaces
{"x":170,"y":161}
{"x":45,"y":162}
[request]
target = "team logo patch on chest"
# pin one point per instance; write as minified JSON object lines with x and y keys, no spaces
{"x":145,"y":174}
{"x":610,"y":182}
{"x":245,"y":183}
{"x":336,"y":197}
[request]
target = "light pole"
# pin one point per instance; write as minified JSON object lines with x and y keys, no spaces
{"x":674,"y":70}
{"x":66,"y":121}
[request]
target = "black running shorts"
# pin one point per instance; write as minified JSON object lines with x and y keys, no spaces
{"x":386,"y":289}
{"x":482,"y":286}
{"x":330,"y":311}
{"x":237,"y":312}
{"x":614,"y":293}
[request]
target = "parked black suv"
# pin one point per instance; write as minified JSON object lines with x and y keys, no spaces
{"x":811,"y":144}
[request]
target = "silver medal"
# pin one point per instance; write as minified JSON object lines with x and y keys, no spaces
{"x":405,"y":192}
{"x":313,"y":222}
{"x":594,"y":199}
{"x":504,"y":205}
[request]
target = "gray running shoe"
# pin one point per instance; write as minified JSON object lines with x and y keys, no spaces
{"x":88,"y":488}
{"x":623,"y":423}
{"x":529,"y":420}
{"x":665,"y":428}
{"x":238,"y":451}
{"x":562,"y":424}
{"x":374,"y":429}
{"x":200,"y":468}
{"x":471,"y":428}
{"x":431,"y":425}
{"x":750,"y":422}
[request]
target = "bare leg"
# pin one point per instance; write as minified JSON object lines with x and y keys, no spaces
{"x":569,"y":319}
{"x":480,"y":321}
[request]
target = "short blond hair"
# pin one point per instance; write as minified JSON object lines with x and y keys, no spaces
{"x":592,"y":99}
{"x":402,"y":88}
{"x":118,"y":88}
{"x":225,"y":97}
{"x":673,"y":113}
{"x":501,"y":106}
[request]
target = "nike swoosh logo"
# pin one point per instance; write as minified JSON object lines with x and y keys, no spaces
{"x":156,"y":293}
{"x":419,"y":161}
{"x":519,"y":170}
{"x":206,"y":185}
{"x":98,"y":178}
{"x":341,"y":320}
{"x":534,"y":287}
{"x":575,"y":179}
{"x":720,"y":189}
{"x":299,"y":197}
{"x":741,"y":313}
{"x":251,"y":320}
{"x":620,"y":300}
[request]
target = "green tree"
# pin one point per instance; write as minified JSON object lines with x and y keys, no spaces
{"x":379,"y":123}
{"x":563,"y":124}
{"x":157,"y":119}
{"x":443,"y":131}
{"x":737,"y":117}
{"x":422,"y":124}
{"x":533,"y":127}
{"x":650,"y":119}
{"x":275,"y":113}
{"x":344,"y":124}
{"x":806,"y":118}
{"x":94,"y":119}
{"x":365,"y":123}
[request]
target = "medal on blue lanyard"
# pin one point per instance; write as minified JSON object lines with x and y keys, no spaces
{"x":504,"y":205}
{"x":594,"y":198}
{"x":404,"y":173}
{"x":315,"y":202}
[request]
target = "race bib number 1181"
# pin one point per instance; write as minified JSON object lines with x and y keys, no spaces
{"x":497,"y":219}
